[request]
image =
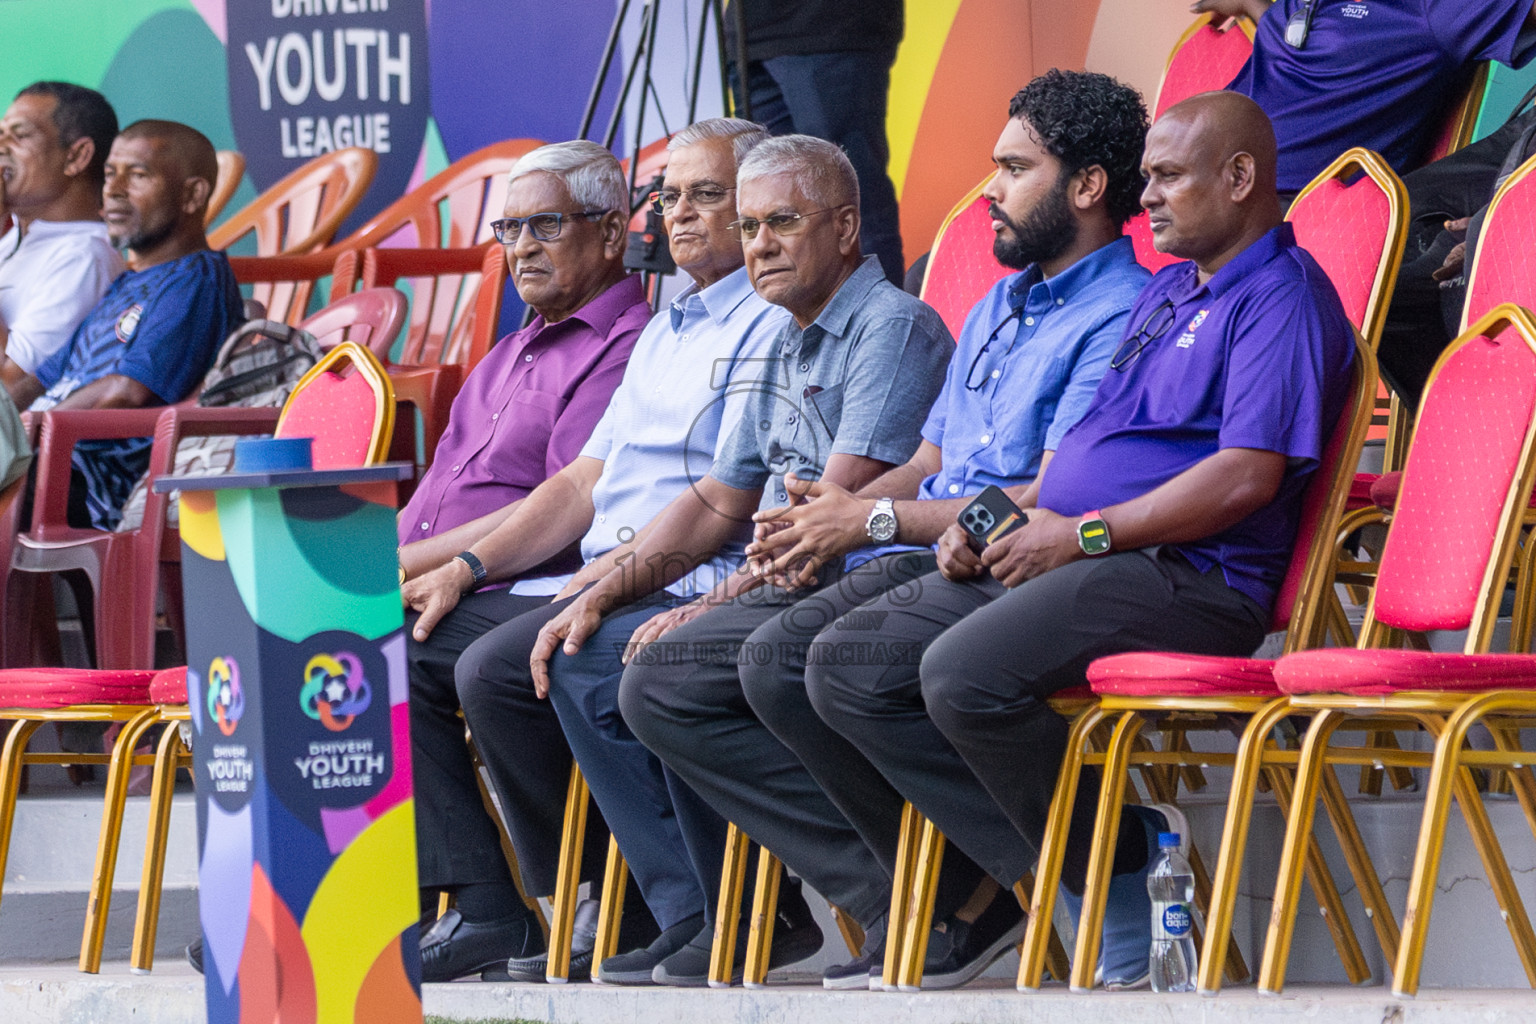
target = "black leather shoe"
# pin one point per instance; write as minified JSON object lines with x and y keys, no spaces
{"x":796,"y":936}
{"x":454,"y":947}
{"x":637,"y":966}
{"x":963,"y":950}
{"x":583,"y":939}
{"x":195,"y":954}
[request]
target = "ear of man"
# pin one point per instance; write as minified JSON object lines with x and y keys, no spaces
{"x":1088,"y":187}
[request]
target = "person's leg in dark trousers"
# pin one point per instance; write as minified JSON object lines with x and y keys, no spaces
{"x":1416,"y":330}
{"x":671,"y":840}
{"x":985,"y":679}
{"x":877,"y":705}
{"x":840,"y":97}
{"x":523,"y":749}
{"x":773,"y":680}
{"x":457,"y":843}
{"x":683,"y":698}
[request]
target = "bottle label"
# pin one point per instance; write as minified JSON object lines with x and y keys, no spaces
{"x":1175,"y":921}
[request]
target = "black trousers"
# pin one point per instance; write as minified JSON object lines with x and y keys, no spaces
{"x":1425,"y":315}
{"x":456,"y":842}
{"x":960,"y":726}
{"x":722,"y":701}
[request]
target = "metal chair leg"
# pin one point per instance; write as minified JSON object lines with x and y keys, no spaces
{"x":901,"y":892}
{"x":1106,"y":833}
{"x":100,"y":902}
{"x":573,"y":835}
{"x":610,"y":913}
{"x":733,"y":874}
{"x":765,"y":910}
{"x":168,"y":757}
{"x":914,"y":941}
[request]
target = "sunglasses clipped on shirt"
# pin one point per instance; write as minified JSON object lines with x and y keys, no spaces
{"x":1153,"y":327}
{"x":545,"y":227}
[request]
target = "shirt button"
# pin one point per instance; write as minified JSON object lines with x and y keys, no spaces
{"x":528,"y":358}
{"x":986,"y":438}
{"x":954,"y":488}
{"x":426,"y":526}
{"x":602,"y":519}
{"x":805,"y":367}
{"x":685,"y":337}
{"x":495,"y":415}
{"x":1061,"y":302}
{"x":791,"y":420}
{"x":1029,"y":321}
{"x":996,"y":374}
{"x":457,"y":468}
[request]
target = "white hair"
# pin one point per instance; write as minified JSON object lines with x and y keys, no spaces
{"x":589,"y":172}
{"x":743,"y":135}
{"x":819,"y":168}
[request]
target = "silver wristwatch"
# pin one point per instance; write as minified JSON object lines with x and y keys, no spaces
{"x":881,"y":525}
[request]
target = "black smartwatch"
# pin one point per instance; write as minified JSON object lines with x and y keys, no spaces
{"x":476,"y":567}
{"x":1093,"y":534}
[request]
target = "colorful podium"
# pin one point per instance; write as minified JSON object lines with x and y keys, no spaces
{"x":301,"y":746}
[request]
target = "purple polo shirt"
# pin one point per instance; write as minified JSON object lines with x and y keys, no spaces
{"x":526,"y":410}
{"x":1257,"y":357}
{"x":1374,"y":73}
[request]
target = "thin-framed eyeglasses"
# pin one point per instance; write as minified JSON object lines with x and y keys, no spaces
{"x":546,"y":227}
{"x":971,"y":373}
{"x":782,"y":224}
{"x":1153,"y":327}
{"x":700,"y":197}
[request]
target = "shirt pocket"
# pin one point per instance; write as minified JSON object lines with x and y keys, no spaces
{"x":822,"y":413}
{"x":534,"y":415}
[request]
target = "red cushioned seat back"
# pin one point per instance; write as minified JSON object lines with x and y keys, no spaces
{"x":169,"y":686}
{"x":66,"y":687}
{"x":350,"y":415}
{"x":1205,"y":58}
{"x":1504,"y":262}
{"x":961,"y":266}
{"x":1355,"y":232}
{"x":1466,"y":481}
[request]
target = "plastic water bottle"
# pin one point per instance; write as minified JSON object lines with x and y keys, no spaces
{"x":1171,"y":884}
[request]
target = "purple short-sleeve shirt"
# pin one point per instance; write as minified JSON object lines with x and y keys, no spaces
{"x":1373,"y":73}
{"x":1257,"y":357}
{"x":526,"y":410}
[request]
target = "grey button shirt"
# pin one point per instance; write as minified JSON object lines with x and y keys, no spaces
{"x":857,"y":381}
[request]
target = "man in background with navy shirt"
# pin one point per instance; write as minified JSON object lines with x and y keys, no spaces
{"x":154,"y":333}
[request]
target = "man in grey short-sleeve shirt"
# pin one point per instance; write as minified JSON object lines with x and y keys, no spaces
{"x":843,"y":397}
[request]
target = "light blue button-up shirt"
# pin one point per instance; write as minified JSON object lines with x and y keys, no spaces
{"x":682,"y":394}
{"x":1027,"y":365}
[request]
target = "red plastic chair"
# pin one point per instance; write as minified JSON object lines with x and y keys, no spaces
{"x":1455,"y":529}
{"x":231,"y":170}
{"x":451,"y":210}
{"x":1207,"y":56}
{"x":372,"y":318}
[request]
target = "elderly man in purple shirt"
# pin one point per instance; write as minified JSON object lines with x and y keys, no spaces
{"x":522,"y":416}
{"x":1164,"y":522}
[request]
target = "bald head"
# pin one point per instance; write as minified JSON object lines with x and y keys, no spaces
{"x":186,"y":146}
{"x":158,"y":179}
{"x":1210,"y":168}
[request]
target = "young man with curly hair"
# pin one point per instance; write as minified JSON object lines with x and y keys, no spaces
{"x":742,"y":732}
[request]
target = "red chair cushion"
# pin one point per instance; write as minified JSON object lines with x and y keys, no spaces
{"x":339,"y":413}
{"x":62,"y":687}
{"x":169,"y":686}
{"x":962,"y":267}
{"x":1360,"y":491}
{"x":1156,"y":674}
{"x":1383,"y":672}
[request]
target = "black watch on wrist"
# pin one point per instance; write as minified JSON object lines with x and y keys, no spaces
{"x":476,"y":567}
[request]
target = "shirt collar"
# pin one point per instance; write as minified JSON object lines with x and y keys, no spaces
{"x":1070,"y":283}
{"x":849,"y":299}
{"x":1265,"y":248}
{"x":720,"y":299}
{"x":43,"y":228}
{"x":602,"y":312}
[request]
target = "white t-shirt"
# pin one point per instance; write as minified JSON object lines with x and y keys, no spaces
{"x":49,"y":280}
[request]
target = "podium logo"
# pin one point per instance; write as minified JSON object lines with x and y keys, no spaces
{"x":226,"y":701}
{"x":335,"y":690}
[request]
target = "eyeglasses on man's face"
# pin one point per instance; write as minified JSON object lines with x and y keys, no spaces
{"x":545,"y":227}
{"x":700,"y":197}
{"x":1153,"y":327}
{"x":782,"y":224}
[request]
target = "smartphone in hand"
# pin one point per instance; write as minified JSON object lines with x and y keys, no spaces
{"x":992,"y":514}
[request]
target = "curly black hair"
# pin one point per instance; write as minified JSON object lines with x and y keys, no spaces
{"x":1084,"y":118}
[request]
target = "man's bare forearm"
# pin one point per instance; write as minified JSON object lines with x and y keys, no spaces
{"x":543,"y":524}
{"x":425,"y":555}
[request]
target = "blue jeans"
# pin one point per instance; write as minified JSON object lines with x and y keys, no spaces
{"x":840,"y":97}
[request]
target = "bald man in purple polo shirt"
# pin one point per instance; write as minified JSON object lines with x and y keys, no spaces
{"x":523,"y":415}
{"x":1164,"y":522}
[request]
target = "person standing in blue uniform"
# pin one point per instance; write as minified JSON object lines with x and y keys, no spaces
{"x":155,"y":332}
